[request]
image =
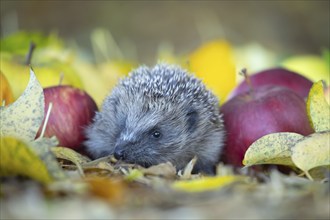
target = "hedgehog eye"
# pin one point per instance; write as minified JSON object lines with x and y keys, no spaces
{"x":156,"y":134}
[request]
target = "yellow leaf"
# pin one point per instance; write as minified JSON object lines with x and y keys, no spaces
{"x":6,"y":93}
{"x":48,"y":74}
{"x":16,"y":158}
{"x":214,"y":64}
{"x":272,"y":149}
{"x":23,"y":118}
{"x":91,"y":78}
{"x":312,"y":151}
{"x":311,"y":66}
{"x":318,"y":109}
{"x":206,"y":183}
{"x":109,"y":74}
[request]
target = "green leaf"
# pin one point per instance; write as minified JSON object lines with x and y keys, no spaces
{"x":326,"y":56}
{"x":318,"y":109}
{"x":23,"y":118}
{"x":272,"y":149}
{"x":19,"y":42}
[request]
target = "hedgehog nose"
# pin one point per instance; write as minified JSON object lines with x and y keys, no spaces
{"x":119,"y":153}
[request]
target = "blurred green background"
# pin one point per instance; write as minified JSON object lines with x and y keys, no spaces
{"x":140,"y":27}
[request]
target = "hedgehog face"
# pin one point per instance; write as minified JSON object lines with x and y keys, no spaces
{"x":151,"y":135}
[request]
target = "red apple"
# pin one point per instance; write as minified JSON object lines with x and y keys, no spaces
{"x":72,"y":110}
{"x":279,"y":77}
{"x":264,"y":110}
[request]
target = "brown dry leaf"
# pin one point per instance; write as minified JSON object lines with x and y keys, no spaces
{"x":101,"y":166}
{"x":166,"y":170}
{"x":186,"y":173}
{"x":101,"y":159}
{"x":71,"y":155}
{"x":112,"y":190}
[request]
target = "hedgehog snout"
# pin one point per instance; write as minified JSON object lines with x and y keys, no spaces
{"x":119,"y":153}
{"x":120,"y":147}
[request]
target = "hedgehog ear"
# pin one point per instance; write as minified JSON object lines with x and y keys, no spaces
{"x":192,"y":117}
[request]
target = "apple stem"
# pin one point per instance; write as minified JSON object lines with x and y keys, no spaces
{"x":247,"y":79}
{"x":61,"y":78}
{"x":29,"y":54}
{"x":46,"y":119}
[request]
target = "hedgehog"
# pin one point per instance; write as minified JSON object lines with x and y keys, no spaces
{"x":157,"y":115}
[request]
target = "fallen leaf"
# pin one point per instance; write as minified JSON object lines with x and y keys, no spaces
{"x":186,"y":173}
{"x":166,"y":170}
{"x":133,"y":175}
{"x":112,"y":190}
{"x":71,"y":155}
{"x":23,"y":118}
{"x":320,"y":173}
{"x":272,"y":149}
{"x":6,"y":94}
{"x":103,"y":163}
{"x":17,"y":158}
{"x":318,"y":109}
{"x":213,"y":62}
{"x":42,"y":147}
{"x":206,"y":183}
{"x":312,"y":151}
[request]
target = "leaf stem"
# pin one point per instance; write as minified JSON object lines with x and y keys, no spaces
{"x":308,"y":175}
